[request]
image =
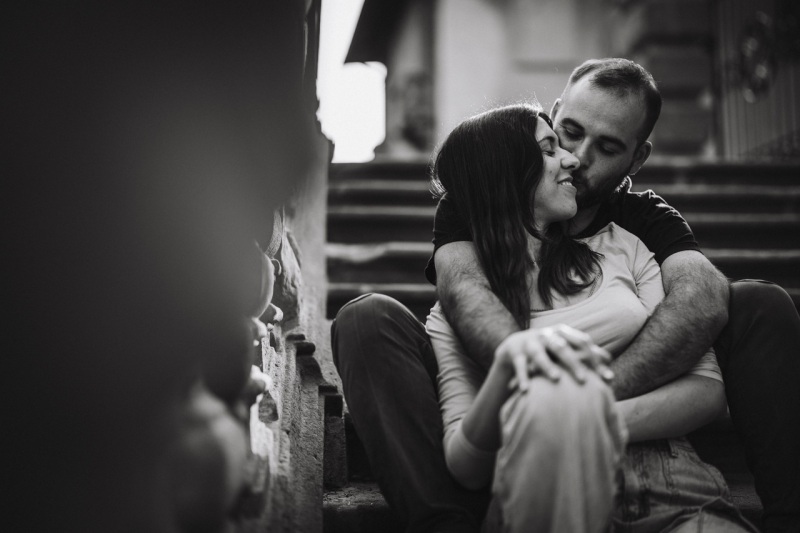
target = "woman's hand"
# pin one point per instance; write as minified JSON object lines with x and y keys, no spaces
{"x":550,"y":349}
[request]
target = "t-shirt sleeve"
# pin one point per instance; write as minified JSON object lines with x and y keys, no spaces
{"x":448,"y":226}
{"x":458,"y":381}
{"x":660,"y":226}
{"x":707,"y":366}
{"x":470,"y":466}
{"x":647,"y":275}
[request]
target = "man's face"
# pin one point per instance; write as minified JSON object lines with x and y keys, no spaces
{"x":600,"y":128}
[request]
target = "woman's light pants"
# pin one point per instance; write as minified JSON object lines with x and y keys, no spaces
{"x":564,"y":466}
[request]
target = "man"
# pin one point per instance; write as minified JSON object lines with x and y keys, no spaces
{"x":604,"y":117}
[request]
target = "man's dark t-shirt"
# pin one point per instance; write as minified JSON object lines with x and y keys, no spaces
{"x":645,"y":214}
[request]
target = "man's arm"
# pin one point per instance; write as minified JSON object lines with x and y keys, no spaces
{"x":681,"y":329}
{"x":674,"y":409}
{"x":476,"y":314}
{"x":487,"y":328}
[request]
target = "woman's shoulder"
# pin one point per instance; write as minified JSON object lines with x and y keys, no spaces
{"x":613,"y":236}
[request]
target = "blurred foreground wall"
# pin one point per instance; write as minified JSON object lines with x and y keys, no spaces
{"x":146,"y":149}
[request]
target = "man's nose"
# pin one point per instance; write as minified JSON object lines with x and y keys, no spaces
{"x":581,"y":153}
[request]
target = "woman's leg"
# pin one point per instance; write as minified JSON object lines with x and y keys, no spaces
{"x":557,"y":466}
{"x":666,"y":487}
{"x":709,"y":522}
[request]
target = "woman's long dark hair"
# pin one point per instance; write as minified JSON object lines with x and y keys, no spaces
{"x":490,"y":166}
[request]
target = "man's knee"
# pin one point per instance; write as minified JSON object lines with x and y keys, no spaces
{"x":753,"y":300}
{"x":361,"y":306}
{"x":365,"y":326}
{"x":758,"y":294}
{"x":368,"y":314}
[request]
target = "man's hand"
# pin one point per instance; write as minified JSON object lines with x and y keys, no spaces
{"x":550,"y":350}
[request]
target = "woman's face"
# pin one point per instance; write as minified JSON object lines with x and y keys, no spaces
{"x":554,"y":198}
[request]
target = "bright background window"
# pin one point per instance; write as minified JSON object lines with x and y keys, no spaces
{"x":352,"y":107}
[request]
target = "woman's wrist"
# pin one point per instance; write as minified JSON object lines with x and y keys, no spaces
{"x":502,"y":368}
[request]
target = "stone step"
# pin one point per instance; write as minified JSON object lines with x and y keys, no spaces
{"x":359,"y":507}
{"x":377,"y":191}
{"x":370,"y":224}
{"x":404,"y":262}
{"x":418,"y":297}
{"x":683,"y":197}
{"x":390,"y":170}
{"x":658,"y":170}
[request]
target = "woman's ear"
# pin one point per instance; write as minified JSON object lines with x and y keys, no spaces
{"x":277,"y":266}
{"x":640,"y":157}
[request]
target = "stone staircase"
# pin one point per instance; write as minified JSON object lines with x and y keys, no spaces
{"x":746,"y":217}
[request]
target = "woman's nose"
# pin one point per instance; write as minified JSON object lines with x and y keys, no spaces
{"x":570,"y":161}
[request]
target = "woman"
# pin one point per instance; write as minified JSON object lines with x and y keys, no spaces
{"x":555,"y":451}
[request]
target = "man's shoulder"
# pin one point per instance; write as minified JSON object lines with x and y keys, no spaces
{"x":650,"y":218}
{"x":627,"y":198}
{"x":628,"y":206}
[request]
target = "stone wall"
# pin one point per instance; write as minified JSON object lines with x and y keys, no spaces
{"x":288,"y":423}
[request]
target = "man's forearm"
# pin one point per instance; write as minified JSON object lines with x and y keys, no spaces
{"x":674,"y":409}
{"x":477,"y":315}
{"x":678,"y":333}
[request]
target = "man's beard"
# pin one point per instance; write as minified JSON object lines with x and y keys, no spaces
{"x":588,"y":197}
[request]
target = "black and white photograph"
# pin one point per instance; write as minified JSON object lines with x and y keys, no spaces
{"x":401,"y":266}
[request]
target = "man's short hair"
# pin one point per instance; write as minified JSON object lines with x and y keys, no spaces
{"x":624,"y":77}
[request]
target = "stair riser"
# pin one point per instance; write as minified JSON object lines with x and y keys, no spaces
{"x":688,"y":202}
{"x":344,"y":228}
{"x":389,"y":171}
{"x":749,"y":199}
{"x":420,"y":305}
{"x":745,"y":234}
{"x":734,"y":174}
{"x":655,"y":172}
{"x":381,"y":197}
{"x":354,"y":229}
{"x":410,"y":269}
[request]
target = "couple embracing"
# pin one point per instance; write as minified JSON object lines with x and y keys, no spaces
{"x":580,"y":334}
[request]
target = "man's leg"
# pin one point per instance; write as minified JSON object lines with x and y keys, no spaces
{"x":759,"y":353}
{"x":388,"y":372}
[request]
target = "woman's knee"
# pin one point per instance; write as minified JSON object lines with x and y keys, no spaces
{"x":563,"y":409}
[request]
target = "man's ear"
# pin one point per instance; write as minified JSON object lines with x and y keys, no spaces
{"x":640,"y":156}
{"x":555,"y":108}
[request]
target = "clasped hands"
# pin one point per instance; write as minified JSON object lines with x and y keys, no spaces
{"x":551,"y":351}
